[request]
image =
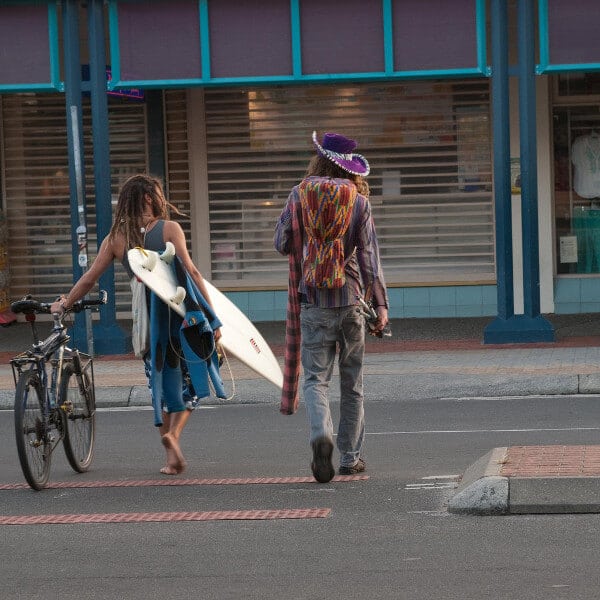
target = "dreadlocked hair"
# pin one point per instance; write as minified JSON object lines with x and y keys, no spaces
{"x":130,"y":208}
{"x":320,"y":166}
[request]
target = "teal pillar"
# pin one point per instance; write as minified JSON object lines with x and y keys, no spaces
{"x":539,"y":329}
{"x":508,"y":327}
{"x":109,"y":338}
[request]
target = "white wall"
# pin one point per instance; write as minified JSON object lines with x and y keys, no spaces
{"x":545,"y":197}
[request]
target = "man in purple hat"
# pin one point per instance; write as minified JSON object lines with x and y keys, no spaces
{"x":327,"y":232}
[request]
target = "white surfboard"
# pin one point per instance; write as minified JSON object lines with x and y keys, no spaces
{"x":239,"y":337}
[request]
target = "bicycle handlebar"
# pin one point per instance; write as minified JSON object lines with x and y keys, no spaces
{"x":29,"y":305}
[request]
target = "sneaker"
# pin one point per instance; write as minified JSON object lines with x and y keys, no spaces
{"x":359,"y":467}
{"x":321,"y":465}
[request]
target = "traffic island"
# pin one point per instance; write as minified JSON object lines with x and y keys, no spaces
{"x":531,"y":480}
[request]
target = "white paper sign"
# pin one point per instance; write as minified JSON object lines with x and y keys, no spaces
{"x":568,"y":249}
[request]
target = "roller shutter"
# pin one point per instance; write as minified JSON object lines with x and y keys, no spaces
{"x":36,"y":186}
{"x":431,"y":179}
{"x":177,"y":158}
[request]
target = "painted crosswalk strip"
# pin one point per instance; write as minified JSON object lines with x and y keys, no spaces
{"x":161,"y":517}
{"x":184,"y":482}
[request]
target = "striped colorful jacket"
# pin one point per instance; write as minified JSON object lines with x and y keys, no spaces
{"x":363,"y":274}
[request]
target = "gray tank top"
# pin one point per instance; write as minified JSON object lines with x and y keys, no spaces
{"x":154,"y":240}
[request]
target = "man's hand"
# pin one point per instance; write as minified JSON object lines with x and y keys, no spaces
{"x":382,"y":318}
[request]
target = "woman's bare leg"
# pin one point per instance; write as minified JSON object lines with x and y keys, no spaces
{"x":170,"y":440}
{"x":168,"y":469}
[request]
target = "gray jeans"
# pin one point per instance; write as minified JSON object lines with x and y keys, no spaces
{"x":322,"y":329}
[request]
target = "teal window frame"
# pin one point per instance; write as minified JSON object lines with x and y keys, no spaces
{"x":297,"y":76}
{"x":54,"y":84}
{"x":545,"y":66}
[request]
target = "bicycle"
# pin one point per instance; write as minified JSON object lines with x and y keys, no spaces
{"x":54,"y":397}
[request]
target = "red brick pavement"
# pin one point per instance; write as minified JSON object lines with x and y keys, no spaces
{"x":551,"y":461}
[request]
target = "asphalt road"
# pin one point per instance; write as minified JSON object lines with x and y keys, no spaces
{"x":387,"y":537}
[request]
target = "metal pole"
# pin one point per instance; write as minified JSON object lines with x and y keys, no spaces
{"x":81,"y":231}
{"x":76,"y":159}
{"x":109,"y":337}
{"x":100,"y":142}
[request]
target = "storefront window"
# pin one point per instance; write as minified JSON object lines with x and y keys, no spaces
{"x":578,"y":84}
{"x":577,"y":188}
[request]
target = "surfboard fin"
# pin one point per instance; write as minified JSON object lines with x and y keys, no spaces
{"x":179,"y":296}
{"x":149,"y":261}
{"x":169,"y":254}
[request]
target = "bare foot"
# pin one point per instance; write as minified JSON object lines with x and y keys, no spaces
{"x":170,"y":443}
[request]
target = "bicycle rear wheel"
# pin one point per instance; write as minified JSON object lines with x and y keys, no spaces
{"x":32,"y":431}
{"x":78,"y":407}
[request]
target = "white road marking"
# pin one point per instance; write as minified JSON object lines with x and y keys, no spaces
{"x":140,"y":408}
{"x":430,"y":513}
{"x":430,"y":486}
{"x":446,"y":431}
{"x":435,"y":482}
{"x":524,"y":397}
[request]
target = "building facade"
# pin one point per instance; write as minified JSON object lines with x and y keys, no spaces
{"x":481,"y":210}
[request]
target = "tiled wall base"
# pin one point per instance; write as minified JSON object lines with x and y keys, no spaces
{"x":414,"y":302}
{"x":573,"y":295}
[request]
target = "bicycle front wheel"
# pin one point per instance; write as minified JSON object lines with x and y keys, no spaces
{"x":78,"y":406}
{"x":32,"y":431}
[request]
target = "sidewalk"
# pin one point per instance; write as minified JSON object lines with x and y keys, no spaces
{"x":431,"y":358}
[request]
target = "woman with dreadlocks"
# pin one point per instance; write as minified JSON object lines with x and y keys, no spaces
{"x":142,"y":219}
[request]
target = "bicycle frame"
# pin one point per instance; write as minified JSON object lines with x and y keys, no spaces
{"x":54,"y":398}
{"x":51,"y":350}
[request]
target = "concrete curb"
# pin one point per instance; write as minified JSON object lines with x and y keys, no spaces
{"x":139,"y":395}
{"x":460,"y":385}
{"x":120,"y":396}
{"x":544,"y":495}
{"x":413,"y":387}
{"x":482,"y":490}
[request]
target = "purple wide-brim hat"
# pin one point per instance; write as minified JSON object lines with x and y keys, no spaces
{"x":338,"y":149}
